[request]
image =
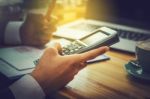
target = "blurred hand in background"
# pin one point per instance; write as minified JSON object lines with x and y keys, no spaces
{"x":37,"y":30}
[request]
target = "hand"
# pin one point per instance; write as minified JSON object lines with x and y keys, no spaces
{"x":36,"y":30}
{"x":55,"y":71}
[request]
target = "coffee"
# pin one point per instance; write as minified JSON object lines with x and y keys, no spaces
{"x":143,"y":55}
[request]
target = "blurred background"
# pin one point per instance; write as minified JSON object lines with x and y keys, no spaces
{"x":66,"y":10}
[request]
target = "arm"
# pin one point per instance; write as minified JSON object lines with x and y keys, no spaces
{"x":34,"y":31}
{"x":10,"y":31}
{"x":51,"y":73}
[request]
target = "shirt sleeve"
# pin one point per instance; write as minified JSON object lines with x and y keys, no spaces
{"x":12,"y":33}
{"x":27,"y":88}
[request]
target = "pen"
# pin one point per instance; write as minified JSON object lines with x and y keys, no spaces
{"x":50,"y":9}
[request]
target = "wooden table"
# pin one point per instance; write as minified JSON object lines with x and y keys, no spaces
{"x":106,"y":80}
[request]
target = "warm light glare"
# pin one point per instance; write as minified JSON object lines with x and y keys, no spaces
{"x":69,"y":10}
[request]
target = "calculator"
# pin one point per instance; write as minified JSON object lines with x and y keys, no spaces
{"x":103,"y":36}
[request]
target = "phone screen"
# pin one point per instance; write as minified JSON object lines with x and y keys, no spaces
{"x":94,"y":38}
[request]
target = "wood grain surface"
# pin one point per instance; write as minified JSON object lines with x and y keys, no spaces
{"x":106,"y":80}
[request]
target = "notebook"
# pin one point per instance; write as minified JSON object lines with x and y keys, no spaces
{"x":131,"y":18}
{"x":16,"y":61}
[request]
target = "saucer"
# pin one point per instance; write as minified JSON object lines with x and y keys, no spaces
{"x":136,"y":71}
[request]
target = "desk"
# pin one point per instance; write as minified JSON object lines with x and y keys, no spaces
{"x":106,"y":80}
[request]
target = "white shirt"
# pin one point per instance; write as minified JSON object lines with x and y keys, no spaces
{"x":12,"y":34}
{"x":27,"y":88}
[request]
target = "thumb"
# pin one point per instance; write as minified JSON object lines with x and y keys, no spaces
{"x":56,"y":46}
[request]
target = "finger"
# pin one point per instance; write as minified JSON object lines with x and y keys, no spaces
{"x":90,"y":54}
{"x":56,"y":45}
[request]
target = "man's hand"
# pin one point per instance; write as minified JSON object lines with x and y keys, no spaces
{"x":36,"y":30}
{"x":55,"y":71}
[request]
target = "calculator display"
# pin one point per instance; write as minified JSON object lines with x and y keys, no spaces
{"x":94,"y":38}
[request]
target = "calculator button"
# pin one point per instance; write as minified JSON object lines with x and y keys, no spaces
{"x":76,"y":49}
{"x":72,"y":48}
{"x":71,"y":51}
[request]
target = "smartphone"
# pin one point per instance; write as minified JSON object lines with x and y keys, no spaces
{"x":103,"y":36}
